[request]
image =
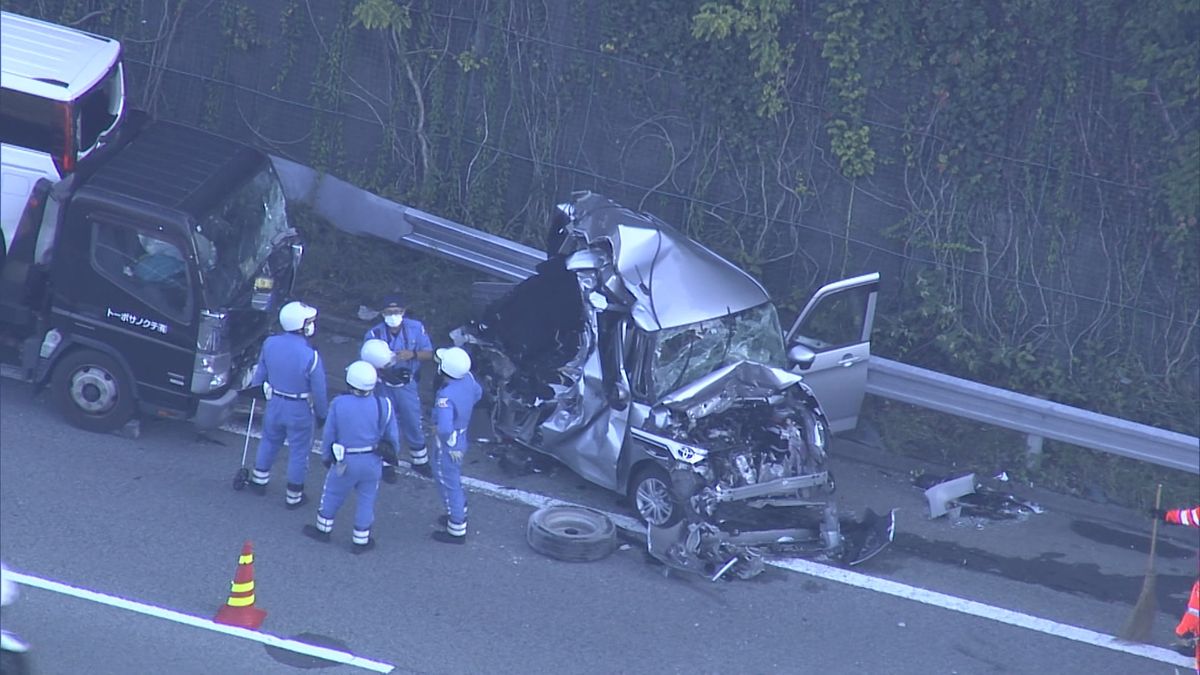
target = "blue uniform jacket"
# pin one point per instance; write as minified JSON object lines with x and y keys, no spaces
{"x":354,"y":422}
{"x":292,"y":366}
{"x":411,"y":336}
{"x":453,"y":407}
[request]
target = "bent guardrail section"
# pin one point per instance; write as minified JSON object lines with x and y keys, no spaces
{"x":357,"y":211}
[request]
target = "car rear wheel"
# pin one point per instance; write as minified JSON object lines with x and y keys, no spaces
{"x":653,"y":499}
{"x":93,"y":391}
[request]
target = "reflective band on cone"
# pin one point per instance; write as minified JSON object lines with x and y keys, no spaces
{"x":239,"y":610}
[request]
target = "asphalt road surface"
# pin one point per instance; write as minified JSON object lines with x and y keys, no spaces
{"x":153,"y":520}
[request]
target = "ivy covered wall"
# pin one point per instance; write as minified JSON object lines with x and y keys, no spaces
{"x":1025,"y":173}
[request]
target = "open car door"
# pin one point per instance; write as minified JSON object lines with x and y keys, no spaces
{"x":830,"y":346}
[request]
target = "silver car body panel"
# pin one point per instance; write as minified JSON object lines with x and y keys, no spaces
{"x":653,"y":260}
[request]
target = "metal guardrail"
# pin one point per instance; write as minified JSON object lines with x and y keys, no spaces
{"x":1034,"y":416}
{"x":359,"y":212}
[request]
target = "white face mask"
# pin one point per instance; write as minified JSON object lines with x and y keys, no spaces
{"x":393,"y":320}
{"x":310,"y":328}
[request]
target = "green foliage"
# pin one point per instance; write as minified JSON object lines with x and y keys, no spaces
{"x":382,"y":15}
{"x":757,"y":23}
{"x":849,"y":137}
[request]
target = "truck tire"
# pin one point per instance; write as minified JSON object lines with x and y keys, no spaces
{"x":93,"y":391}
{"x":571,"y":533}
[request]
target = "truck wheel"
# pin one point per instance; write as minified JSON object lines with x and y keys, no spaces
{"x":571,"y":533}
{"x":653,"y":499}
{"x":93,"y":391}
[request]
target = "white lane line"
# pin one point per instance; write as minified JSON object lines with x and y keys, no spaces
{"x":859,"y":580}
{"x":188,"y":620}
{"x":980,"y":610}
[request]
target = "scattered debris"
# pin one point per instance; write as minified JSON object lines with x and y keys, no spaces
{"x":366,"y":313}
{"x":963,"y":497}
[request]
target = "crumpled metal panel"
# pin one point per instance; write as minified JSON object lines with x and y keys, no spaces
{"x":672,"y":280}
{"x":741,"y":380}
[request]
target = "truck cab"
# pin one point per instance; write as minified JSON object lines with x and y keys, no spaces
{"x":147,"y":281}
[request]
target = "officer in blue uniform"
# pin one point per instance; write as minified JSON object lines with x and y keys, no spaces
{"x":411,"y":345}
{"x":452,"y":410}
{"x":292,"y":378}
{"x":357,"y":422}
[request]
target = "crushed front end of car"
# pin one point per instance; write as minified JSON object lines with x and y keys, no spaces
{"x":753,"y":479}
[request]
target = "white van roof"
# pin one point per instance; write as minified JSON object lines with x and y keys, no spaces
{"x":52,"y":61}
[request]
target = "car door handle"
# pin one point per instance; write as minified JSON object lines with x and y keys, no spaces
{"x":849,"y":360}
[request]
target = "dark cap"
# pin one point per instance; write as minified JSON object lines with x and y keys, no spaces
{"x":393,"y":300}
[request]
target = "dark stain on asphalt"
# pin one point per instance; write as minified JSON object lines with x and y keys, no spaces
{"x":1046,"y":570}
{"x":1130,"y":541}
{"x":295,"y":660}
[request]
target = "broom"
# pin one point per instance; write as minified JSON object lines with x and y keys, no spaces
{"x":1141,"y":621}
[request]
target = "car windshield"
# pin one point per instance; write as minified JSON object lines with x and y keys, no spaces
{"x":234,"y":240}
{"x":687,"y":353}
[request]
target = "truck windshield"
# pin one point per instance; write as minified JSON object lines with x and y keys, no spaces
{"x":234,"y":240}
{"x":687,"y":353}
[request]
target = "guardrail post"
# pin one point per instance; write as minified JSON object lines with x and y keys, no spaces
{"x":1033,"y":451}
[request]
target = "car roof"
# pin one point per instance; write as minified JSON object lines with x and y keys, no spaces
{"x":52,"y":61}
{"x":673,"y":279}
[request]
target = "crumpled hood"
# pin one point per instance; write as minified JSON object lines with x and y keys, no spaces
{"x":719,"y":389}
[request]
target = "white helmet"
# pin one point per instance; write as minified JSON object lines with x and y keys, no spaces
{"x":362,"y":376}
{"x":296,"y":315}
{"x":454,"y":362}
{"x":376,"y":352}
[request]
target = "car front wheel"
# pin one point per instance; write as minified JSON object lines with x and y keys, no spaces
{"x":653,"y":498}
{"x":93,"y":391}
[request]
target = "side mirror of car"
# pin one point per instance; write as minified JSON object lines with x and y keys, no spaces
{"x":801,"y":356}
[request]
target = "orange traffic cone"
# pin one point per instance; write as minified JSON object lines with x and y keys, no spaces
{"x":240,"y":609}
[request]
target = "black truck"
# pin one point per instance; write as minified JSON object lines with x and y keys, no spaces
{"x":147,"y":280}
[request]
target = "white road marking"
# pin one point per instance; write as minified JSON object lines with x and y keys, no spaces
{"x":188,"y":620}
{"x":859,"y":580}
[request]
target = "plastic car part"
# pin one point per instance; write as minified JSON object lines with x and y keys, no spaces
{"x":571,"y":533}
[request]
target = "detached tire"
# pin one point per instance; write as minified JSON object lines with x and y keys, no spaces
{"x":93,"y":391}
{"x":571,"y":533}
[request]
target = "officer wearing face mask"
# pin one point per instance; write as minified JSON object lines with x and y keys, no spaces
{"x":292,"y":378}
{"x":409,"y":342}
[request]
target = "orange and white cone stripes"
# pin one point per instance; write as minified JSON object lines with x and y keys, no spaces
{"x":239,"y":610}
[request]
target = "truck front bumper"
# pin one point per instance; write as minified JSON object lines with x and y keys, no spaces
{"x":212,"y":413}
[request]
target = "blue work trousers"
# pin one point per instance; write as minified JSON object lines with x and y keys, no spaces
{"x":291,"y":420}
{"x":449,"y":479}
{"x":407,"y":402}
{"x":363,"y":471}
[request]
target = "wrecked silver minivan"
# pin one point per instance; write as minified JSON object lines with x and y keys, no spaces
{"x":653,"y":367}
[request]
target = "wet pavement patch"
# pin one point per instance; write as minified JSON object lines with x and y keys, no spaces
{"x":290,"y":658}
{"x":1130,"y":541}
{"x":1048,"y":571}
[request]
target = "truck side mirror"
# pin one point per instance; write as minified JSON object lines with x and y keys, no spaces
{"x":801,"y":356}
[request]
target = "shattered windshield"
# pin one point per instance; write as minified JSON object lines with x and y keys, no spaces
{"x":687,"y":353}
{"x":234,"y":240}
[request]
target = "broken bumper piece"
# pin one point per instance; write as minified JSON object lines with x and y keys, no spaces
{"x":706,"y":549}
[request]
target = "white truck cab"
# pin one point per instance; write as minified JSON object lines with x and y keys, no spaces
{"x":62,"y":96}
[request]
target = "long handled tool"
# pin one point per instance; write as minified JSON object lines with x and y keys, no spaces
{"x":1141,"y":621}
{"x":242,"y":477}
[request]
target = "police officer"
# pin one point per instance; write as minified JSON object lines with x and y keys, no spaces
{"x":452,"y":410}
{"x":377,"y":353}
{"x":410,"y":344}
{"x":357,"y":422}
{"x":292,"y":377}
